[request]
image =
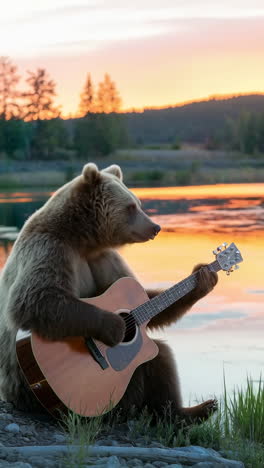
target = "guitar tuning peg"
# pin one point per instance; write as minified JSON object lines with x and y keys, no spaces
{"x":220,"y":248}
{"x":229,"y":271}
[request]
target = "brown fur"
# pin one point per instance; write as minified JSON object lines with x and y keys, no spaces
{"x":66,"y":251}
{"x":156,"y":385}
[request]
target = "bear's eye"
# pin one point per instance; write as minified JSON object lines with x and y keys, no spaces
{"x":131,"y":208}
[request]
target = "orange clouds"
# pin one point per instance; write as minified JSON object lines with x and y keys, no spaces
{"x":182,"y":57}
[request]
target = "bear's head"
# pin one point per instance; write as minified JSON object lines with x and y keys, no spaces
{"x":110,"y":213}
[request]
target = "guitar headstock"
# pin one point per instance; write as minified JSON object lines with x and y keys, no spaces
{"x":228,"y":257}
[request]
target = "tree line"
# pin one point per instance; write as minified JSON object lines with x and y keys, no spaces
{"x":31,"y":126}
{"x":246,"y":134}
{"x":234,"y":123}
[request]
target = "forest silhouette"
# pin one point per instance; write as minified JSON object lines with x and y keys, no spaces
{"x":32,"y":125}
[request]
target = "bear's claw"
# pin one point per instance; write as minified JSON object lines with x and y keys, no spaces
{"x":201,"y":412}
{"x":208,"y":407}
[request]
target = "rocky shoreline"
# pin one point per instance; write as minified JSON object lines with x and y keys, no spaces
{"x":29,"y":441}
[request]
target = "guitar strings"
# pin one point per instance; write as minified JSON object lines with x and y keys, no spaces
{"x":130,"y":320}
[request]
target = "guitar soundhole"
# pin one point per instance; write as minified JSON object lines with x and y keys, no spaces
{"x":130,"y":327}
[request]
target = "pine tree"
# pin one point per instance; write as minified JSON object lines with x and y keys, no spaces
{"x":41,"y":109}
{"x":40,"y":97}
{"x":87,"y":98}
{"x":99,"y":134}
{"x":108,"y":98}
{"x":9,"y":79}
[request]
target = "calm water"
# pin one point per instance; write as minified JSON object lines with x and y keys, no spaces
{"x":224,"y":331}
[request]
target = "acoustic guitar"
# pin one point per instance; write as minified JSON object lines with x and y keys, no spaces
{"x":88,"y":377}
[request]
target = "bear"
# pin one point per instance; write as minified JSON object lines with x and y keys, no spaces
{"x":68,"y":250}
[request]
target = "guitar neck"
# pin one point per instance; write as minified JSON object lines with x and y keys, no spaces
{"x":149,"y":309}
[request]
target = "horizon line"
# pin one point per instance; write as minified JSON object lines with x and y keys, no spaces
{"x":211,"y":97}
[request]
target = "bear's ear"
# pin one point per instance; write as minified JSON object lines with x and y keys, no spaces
{"x":91,"y":173}
{"x":115,"y":170}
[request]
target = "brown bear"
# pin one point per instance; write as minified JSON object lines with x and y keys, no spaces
{"x":66,"y":251}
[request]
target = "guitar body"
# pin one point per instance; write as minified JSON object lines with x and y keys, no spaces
{"x":87,"y":386}
{"x":89,"y":377}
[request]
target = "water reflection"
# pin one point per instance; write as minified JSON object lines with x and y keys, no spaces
{"x":223,"y":331}
{"x":214,"y":207}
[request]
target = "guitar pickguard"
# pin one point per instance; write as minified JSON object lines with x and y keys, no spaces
{"x":120,"y":356}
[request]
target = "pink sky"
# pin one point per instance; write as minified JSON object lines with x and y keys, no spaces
{"x":158,"y":52}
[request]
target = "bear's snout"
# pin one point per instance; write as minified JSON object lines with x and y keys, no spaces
{"x":149,"y":232}
{"x":153,"y":231}
{"x":156,"y":230}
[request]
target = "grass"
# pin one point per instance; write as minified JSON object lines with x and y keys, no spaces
{"x":49,"y":178}
{"x":244,"y":412}
{"x":152,"y":175}
{"x":194,"y":175}
{"x":236,"y":430}
{"x":83,"y":432}
{"x":155,"y":165}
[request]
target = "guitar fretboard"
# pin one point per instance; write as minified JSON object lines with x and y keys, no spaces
{"x":149,"y":309}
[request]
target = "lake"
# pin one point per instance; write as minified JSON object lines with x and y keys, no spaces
{"x":223,"y":333}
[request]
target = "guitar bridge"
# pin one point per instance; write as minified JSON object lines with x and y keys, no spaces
{"x":96,"y":353}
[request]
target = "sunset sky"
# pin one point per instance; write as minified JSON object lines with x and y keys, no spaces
{"x":159,"y":52}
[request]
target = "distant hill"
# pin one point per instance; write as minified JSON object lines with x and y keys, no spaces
{"x":193,"y":122}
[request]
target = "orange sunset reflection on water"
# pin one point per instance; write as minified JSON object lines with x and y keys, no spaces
{"x":16,"y":200}
{"x":224,"y":330}
{"x":202,"y":191}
